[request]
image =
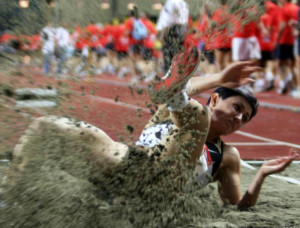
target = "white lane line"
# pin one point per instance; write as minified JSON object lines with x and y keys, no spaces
{"x":117,"y":83}
{"x":265,"y":104}
{"x":288,"y":179}
{"x":260,"y":162}
{"x":35,"y":104}
{"x":203,"y":95}
{"x":243,"y":163}
{"x":37,"y":92}
{"x":118,"y":103}
{"x":25,"y":114}
{"x":249,"y":135}
{"x":256,"y":144}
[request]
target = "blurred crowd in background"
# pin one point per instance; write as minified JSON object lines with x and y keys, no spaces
{"x":139,"y":48}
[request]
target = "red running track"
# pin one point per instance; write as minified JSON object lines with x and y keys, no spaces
{"x":110,"y":104}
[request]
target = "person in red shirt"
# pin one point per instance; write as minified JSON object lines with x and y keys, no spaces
{"x":5,"y":43}
{"x":245,"y":45}
{"x":122,"y":46}
{"x":84,"y":46}
{"x":122,"y":41}
{"x":149,"y":41}
{"x":285,"y":41}
{"x":272,"y":8}
{"x":267,"y":48}
{"x":109,"y":39}
{"x":93,"y":31}
{"x":296,"y":27}
{"x":222,"y":35}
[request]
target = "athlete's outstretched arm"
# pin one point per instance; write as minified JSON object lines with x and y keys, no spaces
{"x":268,"y":168}
{"x":229,"y":179}
{"x":234,"y":75}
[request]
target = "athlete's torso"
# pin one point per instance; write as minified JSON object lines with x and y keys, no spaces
{"x":209,"y":161}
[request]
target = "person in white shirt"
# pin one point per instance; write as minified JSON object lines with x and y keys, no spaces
{"x":171,"y":25}
{"x":48,"y":46}
{"x":62,"y":37}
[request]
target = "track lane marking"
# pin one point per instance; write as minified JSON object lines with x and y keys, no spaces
{"x":203,"y":95}
{"x":122,"y":104}
{"x":249,"y":135}
{"x":256,"y":144}
{"x":253,"y":136}
{"x":243,"y":163}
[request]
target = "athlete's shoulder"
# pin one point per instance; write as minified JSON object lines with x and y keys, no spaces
{"x":231,"y":154}
{"x":230,"y":162}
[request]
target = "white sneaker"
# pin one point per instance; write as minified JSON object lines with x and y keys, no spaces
{"x":295,"y":93}
{"x":150,"y":77}
{"x":282,"y":87}
{"x":99,"y":71}
{"x":123,"y":72}
{"x":259,"y":85}
{"x":134,"y":80}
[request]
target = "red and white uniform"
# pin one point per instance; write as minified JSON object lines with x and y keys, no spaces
{"x":275,"y":13}
{"x":265,"y":40}
{"x":109,"y":32}
{"x":122,"y":39}
{"x":289,"y":11}
{"x":245,"y":45}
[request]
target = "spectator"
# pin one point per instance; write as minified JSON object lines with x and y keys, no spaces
{"x":48,"y":46}
{"x":285,"y":40}
{"x":245,"y":45}
{"x":267,"y":50}
{"x":223,"y":35}
{"x":138,"y":32}
{"x":63,"y":38}
{"x":122,"y":46}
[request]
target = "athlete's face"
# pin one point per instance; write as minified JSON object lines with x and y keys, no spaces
{"x":229,"y":115}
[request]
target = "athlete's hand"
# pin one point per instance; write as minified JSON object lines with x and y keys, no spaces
{"x":238,"y":74}
{"x":276,"y":165}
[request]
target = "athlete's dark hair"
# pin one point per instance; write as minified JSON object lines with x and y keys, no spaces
{"x":243,"y":91}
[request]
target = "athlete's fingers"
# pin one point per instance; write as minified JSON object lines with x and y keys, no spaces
{"x":244,"y":64}
{"x":293,"y":152}
{"x":251,"y":69}
{"x":246,"y":81}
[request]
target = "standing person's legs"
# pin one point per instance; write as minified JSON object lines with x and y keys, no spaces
{"x":285,"y":67}
{"x":240,"y":49}
{"x":226,"y":57}
{"x":61,"y":59}
{"x":210,"y":58}
{"x":296,"y":92}
{"x":269,"y":76}
{"x":47,"y":63}
{"x":220,"y":59}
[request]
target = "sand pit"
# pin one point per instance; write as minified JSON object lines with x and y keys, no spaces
{"x":53,"y":190}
